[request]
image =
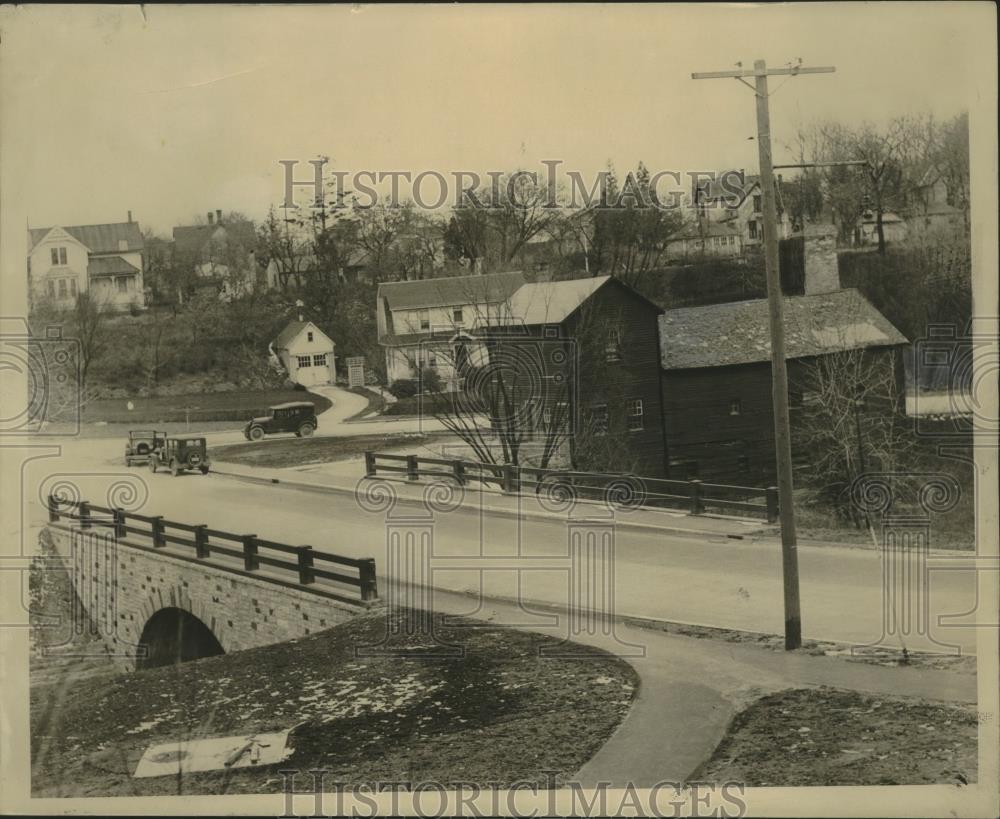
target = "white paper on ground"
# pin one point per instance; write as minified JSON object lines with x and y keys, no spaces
{"x":212,"y":753}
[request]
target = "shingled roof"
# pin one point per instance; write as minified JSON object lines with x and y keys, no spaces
{"x":98,"y":238}
{"x":110,"y":266}
{"x":489,"y":288}
{"x":552,"y":302}
{"x":718,"y":335}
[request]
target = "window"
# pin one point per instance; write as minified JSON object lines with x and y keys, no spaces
{"x":62,"y":255}
{"x":309,"y":336}
{"x":633,"y":413}
{"x":432,"y":360}
{"x":424,"y":317}
{"x":62,"y":288}
{"x":613,"y":349}
{"x":303,"y":361}
{"x":52,"y":289}
{"x":735,"y":407}
{"x":599,"y":419}
{"x":55,"y":255}
{"x":757,"y":204}
{"x":456,"y":315}
{"x":753,"y":229}
{"x":743,"y":463}
{"x":122,"y":283}
{"x":72,"y":287}
{"x":319,"y":360}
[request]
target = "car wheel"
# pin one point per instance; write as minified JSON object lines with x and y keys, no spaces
{"x":174,"y":469}
{"x":204,"y":470}
{"x":256,"y":434}
{"x":305,"y":431}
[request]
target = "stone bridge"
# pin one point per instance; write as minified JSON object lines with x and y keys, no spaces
{"x":153,"y":603}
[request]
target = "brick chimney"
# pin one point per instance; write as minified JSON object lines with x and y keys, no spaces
{"x":821,"y":273}
{"x":218,"y":216}
{"x":211,"y":217}
{"x":130,"y":217}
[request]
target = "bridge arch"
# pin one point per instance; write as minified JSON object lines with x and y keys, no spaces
{"x":174,"y":635}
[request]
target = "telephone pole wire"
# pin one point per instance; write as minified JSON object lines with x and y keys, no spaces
{"x":779,"y":371}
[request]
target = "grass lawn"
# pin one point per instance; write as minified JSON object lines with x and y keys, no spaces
{"x":376,"y":403}
{"x":285,"y":452}
{"x":498,"y":713}
{"x":236,"y":405}
{"x":418,"y":404}
{"x":808,"y":737}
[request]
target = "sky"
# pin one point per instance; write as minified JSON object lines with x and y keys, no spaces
{"x":174,"y":111}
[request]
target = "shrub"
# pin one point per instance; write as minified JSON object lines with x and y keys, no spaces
{"x":428,"y":380}
{"x":403,"y":388}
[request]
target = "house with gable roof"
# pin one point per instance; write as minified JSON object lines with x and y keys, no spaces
{"x":306,"y":353}
{"x":105,"y":261}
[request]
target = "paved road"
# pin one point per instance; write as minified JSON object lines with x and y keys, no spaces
{"x":710,"y":581}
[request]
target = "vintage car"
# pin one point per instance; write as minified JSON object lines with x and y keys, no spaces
{"x":180,"y":454}
{"x":297,"y":416}
{"x":141,"y":444}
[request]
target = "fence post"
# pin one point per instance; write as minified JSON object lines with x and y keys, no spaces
{"x":411,"y":467}
{"x":771,"y":494}
{"x":158,"y":530}
{"x":697,"y":502}
{"x":510,"y":478}
{"x":459,"y":468}
{"x":53,"y":509}
{"x":250,"y":561}
{"x":306,"y":575}
{"x":119,"y":514}
{"x":201,"y":541}
{"x":369,"y":464}
{"x":366,"y":576}
{"x":84,"y":508}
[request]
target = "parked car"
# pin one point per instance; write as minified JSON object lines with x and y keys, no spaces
{"x":296,"y":416}
{"x":180,"y":454}
{"x":141,"y":444}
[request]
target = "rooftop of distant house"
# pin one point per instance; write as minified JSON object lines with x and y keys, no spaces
{"x":718,"y":335}
{"x":488,"y":288}
{"x":104,"y":238}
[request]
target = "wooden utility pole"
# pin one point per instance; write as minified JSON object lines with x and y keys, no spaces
{"x":779,"y":372}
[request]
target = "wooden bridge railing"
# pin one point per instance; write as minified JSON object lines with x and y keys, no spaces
{"x":695,"y":496}
{"x":303,"y":563}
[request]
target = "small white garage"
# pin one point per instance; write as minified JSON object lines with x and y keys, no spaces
{"x":307,"y":353}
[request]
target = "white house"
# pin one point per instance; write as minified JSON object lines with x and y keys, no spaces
{"x":307,"y":353}
{"x":104,"y":261}
{"x":732,"y":205}
{"x":415,"y":318}
{"x":222,"y":254}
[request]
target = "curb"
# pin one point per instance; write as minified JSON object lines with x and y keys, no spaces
{"x":499,"y":510}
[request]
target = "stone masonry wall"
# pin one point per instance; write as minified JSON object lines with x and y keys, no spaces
{"x":122,"y":586}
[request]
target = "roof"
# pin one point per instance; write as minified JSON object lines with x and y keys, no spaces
{"x":292,"y":330}
{"x":293,"y":405}
{"x":110,"y":266}
{"x":98,"y":238}
{"x":718,"y":335}
{"x":727,"y":227}
{"x":481,"y":289}
{"x":552,"y":302}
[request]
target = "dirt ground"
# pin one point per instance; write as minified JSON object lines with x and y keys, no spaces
{"x":826,"y":736}
{"x":493,"y":712}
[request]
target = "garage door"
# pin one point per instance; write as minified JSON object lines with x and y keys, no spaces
{"x":312,"y":370}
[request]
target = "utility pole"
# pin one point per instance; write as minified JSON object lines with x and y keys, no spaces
{"x":779,"y":372}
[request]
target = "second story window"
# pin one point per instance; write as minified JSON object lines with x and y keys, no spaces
{"x":613,"y":348}
{"x":633,"y":409}
{"x":757,"y":204}
{"x":424,"y":317}
{"x":735,"y":407}
{"x":58,"y":255}
{"x":309,"y":336}
{"x":456,"y":315}
{"x":752,"y":227}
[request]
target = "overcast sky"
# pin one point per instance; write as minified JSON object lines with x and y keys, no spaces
{"x":187,"y":110}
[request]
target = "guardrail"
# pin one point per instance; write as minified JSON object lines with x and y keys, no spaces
{"x":304,"y":563}
{"x":695,"y":496}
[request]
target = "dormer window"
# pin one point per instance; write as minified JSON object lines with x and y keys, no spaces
{"x":58,"y":255}
{"x":309,"y":336}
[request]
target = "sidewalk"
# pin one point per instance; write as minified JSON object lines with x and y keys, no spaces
{"x":347,"y":477}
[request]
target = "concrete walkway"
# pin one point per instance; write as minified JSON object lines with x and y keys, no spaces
{"x":691,"y":688}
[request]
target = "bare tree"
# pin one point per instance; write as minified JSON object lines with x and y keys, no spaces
{"x":89,"y":328}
